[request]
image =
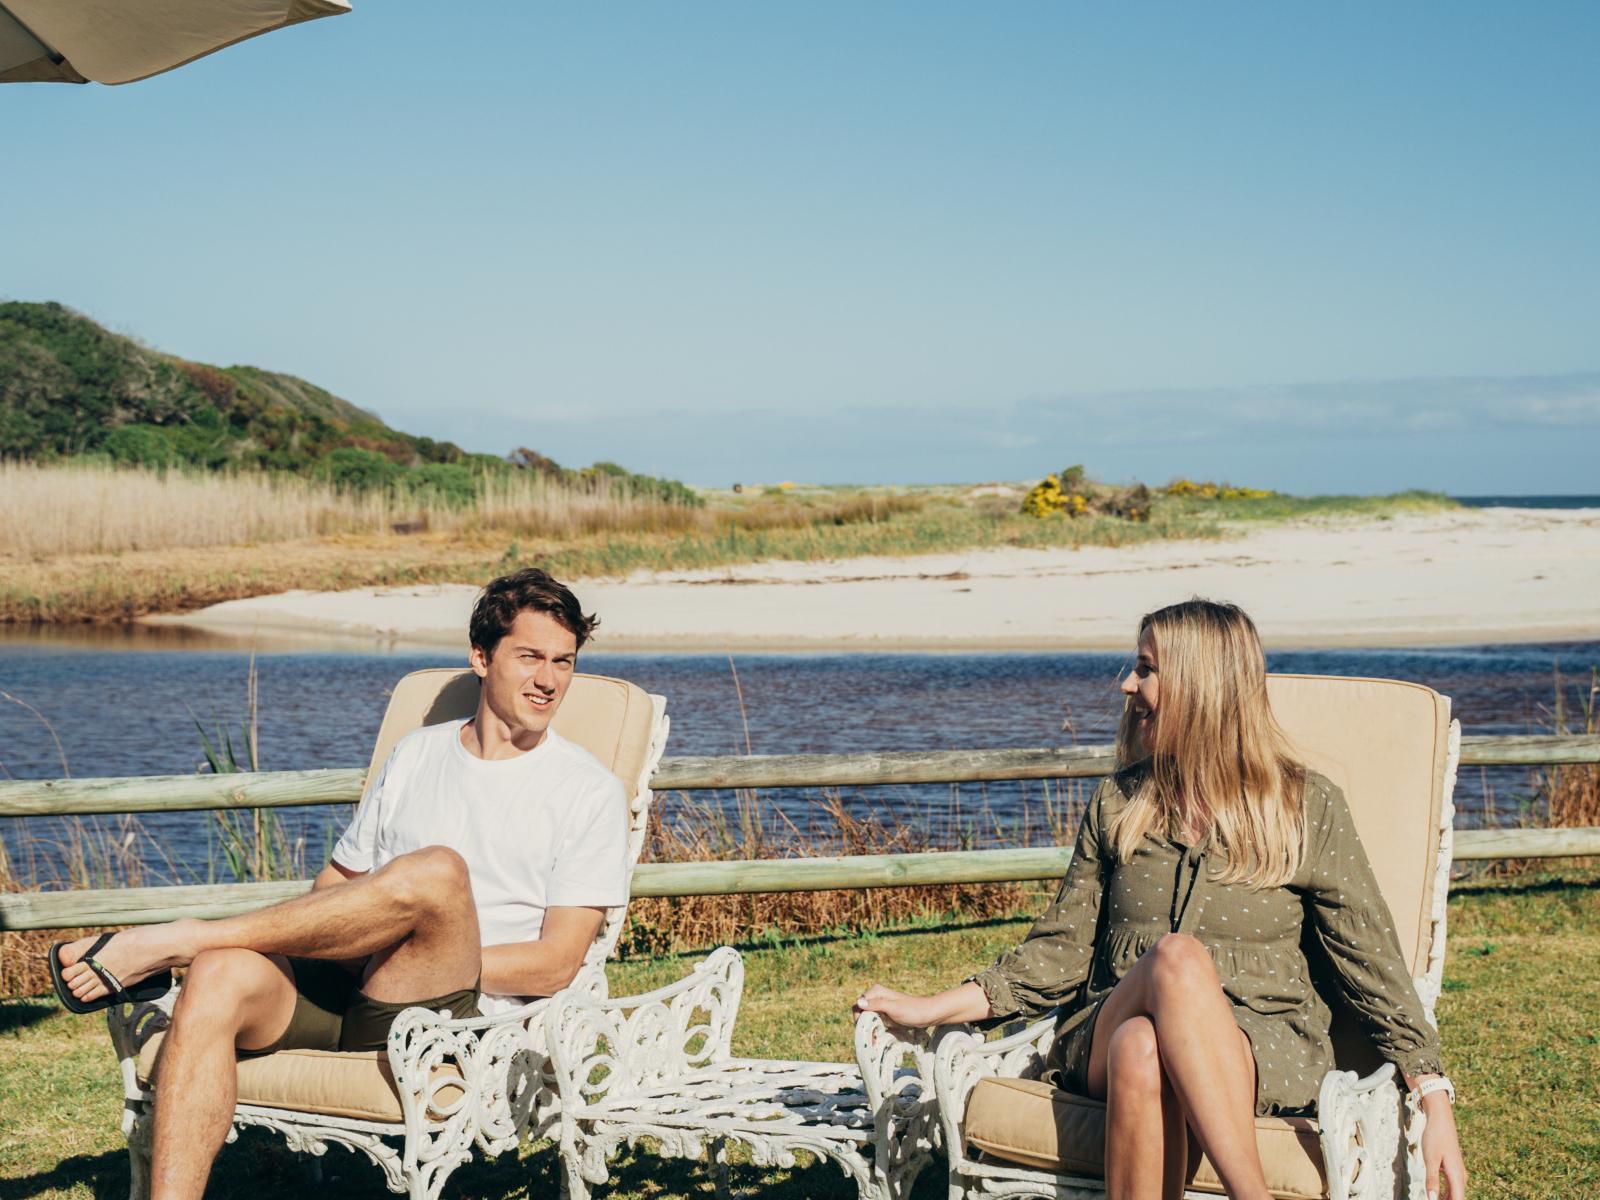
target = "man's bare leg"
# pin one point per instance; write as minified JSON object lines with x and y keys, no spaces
{"x":231,"y":999}
{"x":417,"y":909}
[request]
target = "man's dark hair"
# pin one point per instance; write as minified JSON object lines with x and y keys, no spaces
{"x":527,"y":590}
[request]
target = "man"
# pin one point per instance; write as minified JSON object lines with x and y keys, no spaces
{"x":475,"y":873}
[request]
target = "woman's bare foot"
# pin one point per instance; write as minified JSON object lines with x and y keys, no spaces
{"x":131,"y":955}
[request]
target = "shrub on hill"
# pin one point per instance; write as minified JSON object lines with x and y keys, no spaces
{"x":450,"y":484}
{"x":353,"y":469}
{"x":140,"y":446}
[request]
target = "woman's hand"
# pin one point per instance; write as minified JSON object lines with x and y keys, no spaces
{"x":966,"y":1002}
{"x":1441,"y":1149}
{"x":900,"y":1007}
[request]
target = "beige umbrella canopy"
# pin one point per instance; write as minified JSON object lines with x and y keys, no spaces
{"x":118,"y":41}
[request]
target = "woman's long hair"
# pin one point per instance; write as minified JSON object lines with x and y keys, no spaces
{"x":1215,"y":747}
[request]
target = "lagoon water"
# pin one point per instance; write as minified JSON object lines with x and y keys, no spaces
{"x":129,"y":702}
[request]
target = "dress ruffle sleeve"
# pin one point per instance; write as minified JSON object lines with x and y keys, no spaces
{"x":1051,"y":965}
{"x":1356,"y":932}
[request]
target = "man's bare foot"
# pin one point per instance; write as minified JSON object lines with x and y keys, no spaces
{"x":132,"y":955}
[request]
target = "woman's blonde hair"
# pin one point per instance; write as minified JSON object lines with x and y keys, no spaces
{"x":1215,"y":747}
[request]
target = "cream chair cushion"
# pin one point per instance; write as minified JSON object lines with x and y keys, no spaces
{"x":1027,"y":1121}
{"x":332,"y":1084}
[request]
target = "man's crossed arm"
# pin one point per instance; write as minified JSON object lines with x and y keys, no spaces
{"x":545,"y":966}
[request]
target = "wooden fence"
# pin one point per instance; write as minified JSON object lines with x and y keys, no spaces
{"x":280,"y":789}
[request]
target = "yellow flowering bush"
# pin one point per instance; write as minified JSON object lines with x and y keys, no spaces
{"x":1048,"y":498}
{"x":1189,"y":488}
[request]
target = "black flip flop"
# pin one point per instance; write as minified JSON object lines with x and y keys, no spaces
{"x":152,"y":988}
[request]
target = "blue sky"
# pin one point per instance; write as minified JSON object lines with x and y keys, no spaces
{"x":1344,"y":249}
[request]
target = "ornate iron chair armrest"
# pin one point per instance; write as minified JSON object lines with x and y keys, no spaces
{"x":896,"y":1065}
{"x":963,"y":1057}
{"x":131,"y":1026}
{"x":600,"y":1046}
{"x":711,"y":990}
{"x":883,"y":1049}
{"x":1359,"y":1119}
{"x":479,"y":1076}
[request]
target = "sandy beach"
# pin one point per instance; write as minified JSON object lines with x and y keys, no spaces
{"x":1471,"y":575}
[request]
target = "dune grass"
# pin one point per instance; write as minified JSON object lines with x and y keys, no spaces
{"x":1518,"y":1017}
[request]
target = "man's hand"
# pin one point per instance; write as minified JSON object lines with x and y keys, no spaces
{"x":546,"y":965}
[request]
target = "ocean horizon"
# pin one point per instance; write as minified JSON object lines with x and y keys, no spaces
{"x":1575,"y":501}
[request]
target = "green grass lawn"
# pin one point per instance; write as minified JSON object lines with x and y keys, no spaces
{"x":1520,"y":1018}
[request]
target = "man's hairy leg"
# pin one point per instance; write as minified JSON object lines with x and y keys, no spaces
{"x":422,"y":900}
{"x":231,"y":999}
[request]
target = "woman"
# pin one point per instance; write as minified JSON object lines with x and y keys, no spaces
{"x":1174,"y":944}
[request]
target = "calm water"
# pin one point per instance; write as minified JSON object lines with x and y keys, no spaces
{"x":1529,"y":501}
{"x":127,"y":705}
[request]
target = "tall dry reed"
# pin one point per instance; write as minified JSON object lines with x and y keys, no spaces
{"x":53,"y":510}
{"x":98,"y":509}
{"x":59,"y":510}
{"x":1572,"y":792}
{"x":692,"y":831}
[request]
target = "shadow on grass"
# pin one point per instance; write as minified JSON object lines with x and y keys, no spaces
{"x":260,"y":1165}
{"x":103,"y":1174}
{"x":1533,"y":885}
{"x":834,"y":937}
{"x":21,"y":1013}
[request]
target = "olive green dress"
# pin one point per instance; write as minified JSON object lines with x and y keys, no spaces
{"x":1107,"y":914}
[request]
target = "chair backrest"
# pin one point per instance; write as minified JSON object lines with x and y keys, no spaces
{"x":617,"y":722}
{"x":610,"y":718}
{"x":1386,"y":744}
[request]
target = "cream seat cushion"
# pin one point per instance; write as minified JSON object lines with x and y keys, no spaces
{"x":331,"y":1084}
{"x":1028,"y":1122}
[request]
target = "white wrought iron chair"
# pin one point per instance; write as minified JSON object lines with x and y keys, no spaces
{"x":442,"y":1086}
{"x":661,"y":1066}
{"x":1392,"y":748}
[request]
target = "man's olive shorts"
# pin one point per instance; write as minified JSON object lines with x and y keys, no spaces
{"x":332,"y":1013}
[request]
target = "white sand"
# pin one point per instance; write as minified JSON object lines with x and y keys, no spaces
{"x":1466,"y":576}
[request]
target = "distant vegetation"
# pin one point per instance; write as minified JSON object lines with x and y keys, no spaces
{"x":134,"y":482}
{"x":73,"y":390}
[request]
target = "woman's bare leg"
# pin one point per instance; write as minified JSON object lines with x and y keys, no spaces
{"x":1203,"y":1057}
{"x":1147,"y":1137}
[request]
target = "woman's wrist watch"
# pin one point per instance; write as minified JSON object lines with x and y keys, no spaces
{"x":1438,"y":1083}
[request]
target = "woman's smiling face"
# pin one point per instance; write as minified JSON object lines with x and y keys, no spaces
{"x":1142,"y":686}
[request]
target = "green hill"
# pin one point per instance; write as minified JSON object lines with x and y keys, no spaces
{"x":70,"y":387}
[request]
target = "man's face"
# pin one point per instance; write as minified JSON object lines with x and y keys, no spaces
{"x":527,"y":675}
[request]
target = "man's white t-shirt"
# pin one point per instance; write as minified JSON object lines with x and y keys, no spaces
{"x":547,"y":828}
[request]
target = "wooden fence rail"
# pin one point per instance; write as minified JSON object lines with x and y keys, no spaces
{"x":140,"y":906}
{"x":276,"y":789}
{"x":280,"y":789}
